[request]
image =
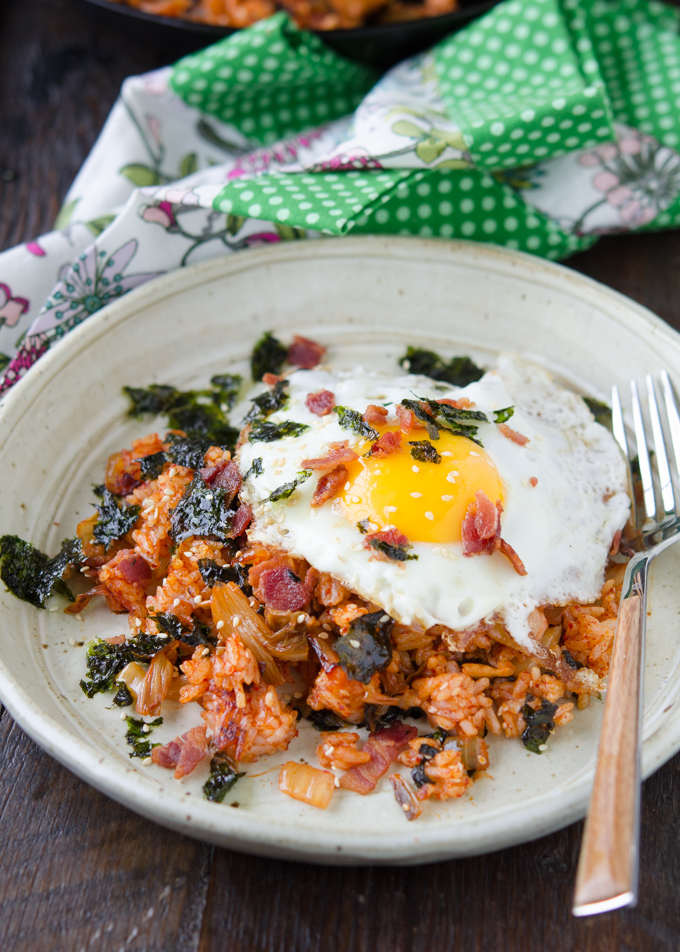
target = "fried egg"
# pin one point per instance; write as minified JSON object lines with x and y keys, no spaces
{"x":557,"y":475}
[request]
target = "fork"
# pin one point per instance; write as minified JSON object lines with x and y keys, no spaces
{"x":607,"y":876}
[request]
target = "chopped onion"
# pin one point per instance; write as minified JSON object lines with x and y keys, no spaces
{"x":132,"y":674}
{"x":230,"y":606}
{"x":306,"y":783}
{"x":156,"y":684}
{"x":474,"y":753}
{"x":405,"y":797}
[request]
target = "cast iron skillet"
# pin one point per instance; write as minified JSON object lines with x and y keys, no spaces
{"x":380,"y":45}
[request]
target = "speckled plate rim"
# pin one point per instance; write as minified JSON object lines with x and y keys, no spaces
{"x":266,"y":837}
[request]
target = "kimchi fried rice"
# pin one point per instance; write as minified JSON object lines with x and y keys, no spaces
{"x":258,"y":639}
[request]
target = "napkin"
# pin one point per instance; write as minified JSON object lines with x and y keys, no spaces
{"x":538,"y":127}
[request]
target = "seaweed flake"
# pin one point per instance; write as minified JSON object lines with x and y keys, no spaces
{"x":269,"y":356}
{"x":157,"y":399}
{"x":540,"y":725}
{"x":287,"y":490}
{"x":416,"y":407}
{"x":114,"y":521}
{"x":502,"y":416}
{"x":352,"y":420}
{"x":273,"y":399}
{"x":188,"y":452}
{"x":325,"y":720}
{"x":152,"y":466}
{"x":123,"y":696}
{"x":601,"y":412}
{"x":138,"y":738}
{"x":424,"y":451}
{"x":256,"y":468}
{"x":367,"y":647}
{"x":104,"y":661}
{"x":203,"y":510}
{"x":223,"y":776}
{"x":459,"y":371}
{"x":30,"y":575}
{"x":226,"y":388}
{"x":397,"y":553}
{"x":264,"y":432}
{"x":214,"y":574}
{"x":199,"y":634}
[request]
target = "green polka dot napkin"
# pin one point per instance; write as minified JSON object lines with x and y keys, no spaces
{"x":538,"y":127}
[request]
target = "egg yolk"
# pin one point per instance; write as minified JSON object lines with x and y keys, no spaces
{"x":426,"y":501}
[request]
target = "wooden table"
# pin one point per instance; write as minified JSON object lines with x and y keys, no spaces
{"x":77,"y":871}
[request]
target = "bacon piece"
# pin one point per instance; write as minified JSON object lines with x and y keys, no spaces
{"x":135,"y":569}
{"x":223,"y":475}
{"x":279,"y":588}
{"x":272,"y":379}
{"x":183,"y":753}
{"x":305,"y":353}
{"x":616,"y":543}
{"x":461,"y":404}
{"x":481,"y":526}
{"x":507,"y":550}
{"x":534,"y":482}
{"x":337,"y":453}
{"x":329,"y":485}
{"x":321,"y":402}
{"x":84,"y":599}
{"x":481,"y":532}
{"x":116,"y":640}
{"x":408,"y":421}
{"x":384,"y":746}
{"x":513,"y":434}
{"x":242,"y":519}
{"x":390,"y":536}
{"x":388,"y":443}
{"x":375,"y":415}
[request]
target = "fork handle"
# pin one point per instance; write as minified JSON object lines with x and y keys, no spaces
{"x":607,"y":876}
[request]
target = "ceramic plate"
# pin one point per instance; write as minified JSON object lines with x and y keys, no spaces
{"x":365,"y":299}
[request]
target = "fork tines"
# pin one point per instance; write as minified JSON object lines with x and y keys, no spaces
{"x":660,"y":454}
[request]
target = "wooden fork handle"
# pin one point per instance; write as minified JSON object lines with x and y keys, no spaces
{"x":607,"y":876}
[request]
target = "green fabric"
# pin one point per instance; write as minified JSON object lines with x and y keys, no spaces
{"x":271,"y":81}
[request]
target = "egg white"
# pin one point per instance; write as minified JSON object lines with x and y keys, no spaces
{"x":562,"y":528}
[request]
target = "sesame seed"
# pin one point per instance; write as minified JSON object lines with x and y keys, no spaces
{"x":145,"y":728}
{"x":210,"y":495}
{"x":447,"y":498}
{"x":405,"y":807}
{"x":236,"y":621}
{"x":450,"y":478}
{"x":472,"y":453}
{"x":162,"y":634}
{"x":429,"y":515}
{"x":220,"y":625}
{"x":123,"y":715}
{"x":542,"y":746}
{"x":323,"y":635}
{"x":329,"y":749}
{"x":79,"y":617}
{"x":197,"y":599}
{"x":72,"y":641}
{"x":347,"y":486}
{"x":137,"y":622}
{"x":337,"y":782}
{"x":326,"y":627}
{"x":384,"y":618}
{"x":354,"y":643}
{"x":176,"y":603}
{"x":297,"y":695}
{"x":286,"y":698}
{"x":238,"y":555}
{"x":147,"y":761}
{"x":300,"y":619}
{"x":445,"y":453}
{"x":54,"y":608}
{"x":378,"y":472}
{"x":416,"y":495}
{"x":525,"y":482}
{"x":205,"y":652}
{"x":355,"y":499}
{"x":172,"y":471}
{"x":390,"y":509}
{"x":416,"y":469}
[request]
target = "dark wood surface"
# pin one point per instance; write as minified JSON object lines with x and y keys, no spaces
{"x":77,"y":871}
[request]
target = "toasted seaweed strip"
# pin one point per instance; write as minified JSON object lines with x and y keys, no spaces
{"x":540,"y":725}
{"x":269,"y":356}
{"x":398,"y":553}
{"x":114,"y":521}
{"x":352,"y":420}
{"x":269,"y":401}
{"x":459,"y":371}
{"x":30,"y":575}
{"x":367,"y":647}
{"x":265,"y":432}
{"x":105,"y":661}
{"x":287,"y":490}
{"x":424,"y":451}
{"x":138,"y":738}
{"x":202,"y":511}
{"x":223,"y":776}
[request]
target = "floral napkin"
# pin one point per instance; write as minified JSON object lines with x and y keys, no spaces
{"x":538,"y":127}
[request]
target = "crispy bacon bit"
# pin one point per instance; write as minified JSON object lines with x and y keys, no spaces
{"x":513,"y":434}
{"x":272,"y":379}
{"x":305,"y":353}
{"x":384,"y":746}
{"x":135,"y":569}
{"x":389,"y":536}
{"x":389,"y":442}
{"x":375,"y":415}
{"x":279,"y":588}
{"x":321,"y":402}
{"x":328,"y":592}
{"x":481,"y":531}
{"x":534,"y":482}
{"x":481,"y":526}
{"x":223,"y":475}
{"x":242,"y":519}
{"x":84,"y":599}
{"x":183,"y":753}
{"x":329,"y":485}
{"x":337,"y":453}
{"x":507,"y":550}
{"x":116,"y":640}
{"x":408,"y":421}
{"x":461,"y":404}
